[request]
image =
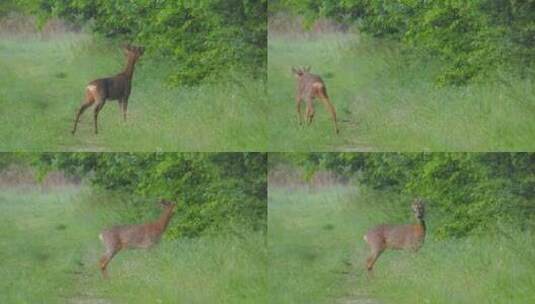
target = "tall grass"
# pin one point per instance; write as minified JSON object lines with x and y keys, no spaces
{"x":50,"y":252}
{"x":42,"y":84}
{"x":317,"y":255}
{"x":387,"y":100}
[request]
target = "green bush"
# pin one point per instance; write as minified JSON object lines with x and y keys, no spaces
{"x":473,"y":38}
{"x":472,"y":192}
{"x":201,"y":39}
{"x":214,"y":192}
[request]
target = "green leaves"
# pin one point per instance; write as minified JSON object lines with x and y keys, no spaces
{"x":467,"y":192}
{"x":212,"y":190}
{"x":202,"y":40}
{"x":473,"y":38}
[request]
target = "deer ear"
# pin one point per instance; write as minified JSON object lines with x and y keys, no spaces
{"x":307,"y":68}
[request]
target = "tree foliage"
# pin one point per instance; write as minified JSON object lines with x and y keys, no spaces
{"x":201,"y":39}
{"x":470,"y":191}
{"x":213,"y":191}
{"x":472,"y":38}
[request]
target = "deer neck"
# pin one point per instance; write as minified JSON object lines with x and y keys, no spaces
{"x":129,"y":69}
{"x":421,"y":222}
{"x":164,"y":219}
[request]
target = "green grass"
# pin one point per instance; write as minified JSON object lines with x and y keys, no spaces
{"x":387,"y":101}
{"x":50,"y":250}
{"x":43,"y":81}
{"x":317,"y":255}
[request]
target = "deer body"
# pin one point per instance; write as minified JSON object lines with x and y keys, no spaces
{"x":140,"y":236}
{"x":309,"y":87}
{"x":117,"y":87}
{"x":405,"y":237}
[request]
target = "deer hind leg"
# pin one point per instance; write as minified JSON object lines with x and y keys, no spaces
{"x":309,"y":111}
{"x":112,"y":247}
{"x":105,"y":260}
{"x":372,"y":258}
{"x":327,"y":102}
{"x":89,"y":100}
{"x":298,"y":102}
{"x":98,"y":107}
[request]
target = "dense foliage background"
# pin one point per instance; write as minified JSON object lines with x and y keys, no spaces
{"x":468,"y":192}
{"x":201,"y":39}
{"x":214,"y":192}
{"x":473,"y":38}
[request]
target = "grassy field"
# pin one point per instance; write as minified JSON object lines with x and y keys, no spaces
{"x":388,"y":102}
{"x":50,"y":250}
{"x":43,"y":81}
{"x":317,"y":255}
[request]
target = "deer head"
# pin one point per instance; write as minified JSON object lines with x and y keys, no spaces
{"x":418,"y":207}
{"x":300,"y":71}
{"x":133,"y":52}
{"x":168,"y":205}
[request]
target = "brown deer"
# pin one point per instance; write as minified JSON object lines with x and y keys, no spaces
{"x":409,"y":237}
{"x":117,"y":87}
{"x":134,"y":236}
{"x":310,"y":86}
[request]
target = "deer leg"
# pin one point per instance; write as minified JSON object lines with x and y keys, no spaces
{"x":309,"y":111}
{"x":83,"y":107}
{"x":105,"y":260}
{"x":125,"y":107}
{"x":298,"y":101}
{"x":98,"y":107}
{"x":327,"y":102}
{"x":372,"y":258}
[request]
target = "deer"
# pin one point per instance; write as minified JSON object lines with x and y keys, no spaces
{"x":404,"y":237}
{"x":141,"y":236}
{"x":311,"y":86}
{"x":117,"y":87}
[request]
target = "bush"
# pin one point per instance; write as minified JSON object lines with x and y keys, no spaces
{"x":473,"y":38}
{"x":471,"y":192}
{"x":201,"y":39}
{"x":214,"y":192}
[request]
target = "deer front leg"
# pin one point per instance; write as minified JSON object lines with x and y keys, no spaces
{"x":123,"y":106}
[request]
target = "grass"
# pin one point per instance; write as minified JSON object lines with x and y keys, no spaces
{"x":50,"y":251}
{"x":317,"y":255}
{"x":42,"y":84}
{"x":388,"y":101}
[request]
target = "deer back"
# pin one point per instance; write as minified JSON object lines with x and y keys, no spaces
{"x":410,"y":236}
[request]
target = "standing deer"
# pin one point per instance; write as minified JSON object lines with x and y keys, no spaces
{"x":409,"y":237}
{"x":117,"y":87}
{"x":134,"y":236}
{"x":310,"y":86}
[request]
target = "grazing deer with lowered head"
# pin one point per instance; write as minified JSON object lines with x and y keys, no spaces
{"x":310,"y":86}
{"x":117,"y":87}
{"x":134,"y":236}
{"x":410,"y":236}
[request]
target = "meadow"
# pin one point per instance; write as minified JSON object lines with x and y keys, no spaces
{"x":50,"y":252}
{"x":317,"y":254}
{"x":387,"y":99}
{"x":43,"y":81}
